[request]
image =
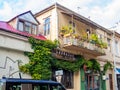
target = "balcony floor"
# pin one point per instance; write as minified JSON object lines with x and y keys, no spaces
{"x":82,"y":50}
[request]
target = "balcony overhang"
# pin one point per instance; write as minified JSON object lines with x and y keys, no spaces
{"x":83,"y":50}
{"x":63,"y":55}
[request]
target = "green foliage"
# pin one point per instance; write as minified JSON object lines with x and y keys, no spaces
{"x":66,"y":29}
{"x":39,"y":66}
{"x":67,"y":65}
{"x":41,"y":60}
{"x":93,"y":65}
{"x":95,"y":40}
{"x":83,"y":35}
{"x":107,"y":66}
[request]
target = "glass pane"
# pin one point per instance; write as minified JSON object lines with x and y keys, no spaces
{"x":47,"y":26}
{"x":13,"y":87}
{"x":96,"y":83}
{"x":28,"y":27}
{"x":40,"y":87}
{"x":34,"y":29}
{"x":21,"y":26}
{"x":56,"y":87}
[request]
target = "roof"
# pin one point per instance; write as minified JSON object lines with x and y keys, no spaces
{"x":23,"y":14}
{"x":18,"y":80}
{"x":8,"y":28}
{"x":68,"y":11}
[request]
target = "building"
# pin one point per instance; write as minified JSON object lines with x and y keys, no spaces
{"x":58,"y":22}
{"x":14,"y":42}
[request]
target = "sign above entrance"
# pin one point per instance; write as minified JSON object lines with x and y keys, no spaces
{"x":59,"y":72}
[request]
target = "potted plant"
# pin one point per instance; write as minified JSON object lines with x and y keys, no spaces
{"x":94,"y":38}
{"x":83,"y":35}
{"x":66,"y":30}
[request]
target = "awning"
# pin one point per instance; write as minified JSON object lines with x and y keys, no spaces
{"x":117,"y":70}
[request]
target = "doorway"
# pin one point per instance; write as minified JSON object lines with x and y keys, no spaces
{"x":92,"y":82}
{"x":118,"y":81}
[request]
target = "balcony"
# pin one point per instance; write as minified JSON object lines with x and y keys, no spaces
{"x":82,"y":47}
{"x":61,"y":54}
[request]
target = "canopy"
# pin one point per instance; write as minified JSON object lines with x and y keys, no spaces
{"x":117,"y":70}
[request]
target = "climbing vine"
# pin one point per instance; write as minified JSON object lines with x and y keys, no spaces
{"x":41,"y":60}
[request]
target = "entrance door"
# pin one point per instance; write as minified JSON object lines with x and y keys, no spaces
{"x":118,"y":81}
{"x":110,"y":81}
{"x":92,"y":82}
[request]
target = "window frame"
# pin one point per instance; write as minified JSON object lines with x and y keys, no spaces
{"x":116,"y":47}
{"x":31,"y":26}
{"x":73,"y":25}
{"x":47,"y":26}
{"x":67,"y":75}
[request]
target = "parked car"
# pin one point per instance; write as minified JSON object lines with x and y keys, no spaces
{"x":29,"y":84}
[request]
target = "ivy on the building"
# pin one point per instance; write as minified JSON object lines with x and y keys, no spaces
{"x":41,"y":60}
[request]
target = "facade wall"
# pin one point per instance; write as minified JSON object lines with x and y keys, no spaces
{"x":63,"y":20}
{"x":9,"y":64}
{"x":77,"y":80}
{"x":12,"y":48}
{"x":13,"y":23}
{"x":15,"y":42}
{"x":53,"y":24}
{"x":56,"y":22}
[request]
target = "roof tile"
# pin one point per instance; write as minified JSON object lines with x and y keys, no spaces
{"x":7,"y":27}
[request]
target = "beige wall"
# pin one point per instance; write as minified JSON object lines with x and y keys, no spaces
{"x":9,"y":65}
{"x":77,"y":81}
{"x":13,"y":23}
{"x":53,"y":24}
{"x":63,"y":20}
{"x":13,"y":41}
{"x":12,"y":48}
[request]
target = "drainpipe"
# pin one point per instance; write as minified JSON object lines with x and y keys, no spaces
{"x":114,"y":60}
{"x":57,"y":31}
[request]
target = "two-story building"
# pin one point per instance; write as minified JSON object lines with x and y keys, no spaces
{"x":77,"y":36}
{"x":14,"y":42}
{"x":75,"y":32}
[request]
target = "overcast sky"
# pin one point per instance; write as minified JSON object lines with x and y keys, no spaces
{"x":103,"y":12}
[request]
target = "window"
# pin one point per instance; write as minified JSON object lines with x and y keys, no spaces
{"x":40,"y":87}
{"x":14,"y":86}
{"x":116,"y":48}
{"x":100,"y":36}
{"x":47,"y":26}
{"x":34,"y":29}
{"x":21,"y":26}
{"x":27,"y":27}
{"x":109,"y":44}
{"x":108,"y":41}
{"x":111,"y":81}
{"x":88,"y":33}
{"x":92,"y":82}
{"x":67,"y":78}
{"x":72,"y":25}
